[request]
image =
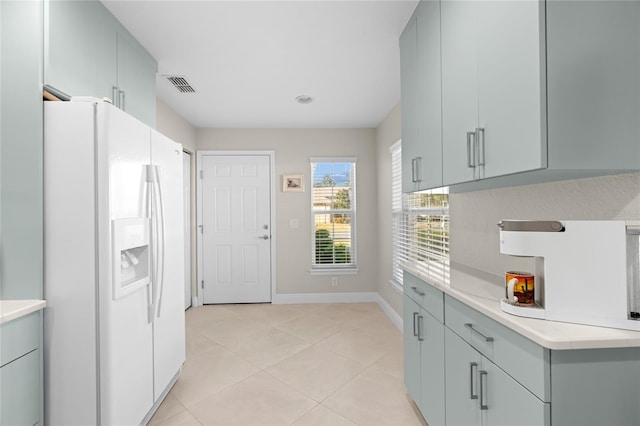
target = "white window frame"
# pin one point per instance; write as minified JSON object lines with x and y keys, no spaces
{"x":334,"y":268}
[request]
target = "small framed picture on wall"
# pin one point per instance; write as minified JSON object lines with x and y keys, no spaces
{"x":293,"y":183}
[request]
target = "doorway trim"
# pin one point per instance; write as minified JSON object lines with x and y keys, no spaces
{"x":272,"y":211}
{"x":190,"y":229}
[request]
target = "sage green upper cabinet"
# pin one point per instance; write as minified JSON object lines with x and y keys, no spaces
{"x":593,"y":83}
{"x":493,"y":89}
{"x":421,"y":95}
{"x":89,"y":53}
{"x":80,"y":48}
{"x":409,"y":78}
{"x":136,"y":79}
{"x":503,"y":93}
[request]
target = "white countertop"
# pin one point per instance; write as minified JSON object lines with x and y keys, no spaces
{"x":14,"y":309}
{"x":482,"y":291}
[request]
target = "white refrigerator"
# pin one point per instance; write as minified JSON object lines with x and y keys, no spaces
{"x":114,"y":333}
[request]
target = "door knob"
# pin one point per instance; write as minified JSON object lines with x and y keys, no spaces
{"x":264,"y":237}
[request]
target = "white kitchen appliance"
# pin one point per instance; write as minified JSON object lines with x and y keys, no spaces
{"x":114,"y":265}
{"x":586,"y":272}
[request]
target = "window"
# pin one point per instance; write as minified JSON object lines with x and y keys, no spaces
{"x":420,"y":226}
{"x":333,"y":210}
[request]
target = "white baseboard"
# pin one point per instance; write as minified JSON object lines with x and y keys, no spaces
{"x":395,"y":318}
{"x":282,"y":299}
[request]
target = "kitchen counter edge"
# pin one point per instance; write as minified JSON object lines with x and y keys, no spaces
{"x":14,"y":309}
{"x":482,"y":291}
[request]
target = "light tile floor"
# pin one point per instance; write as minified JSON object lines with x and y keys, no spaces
{"x":316,"y":364}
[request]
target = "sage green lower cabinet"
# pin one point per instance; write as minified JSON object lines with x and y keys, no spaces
{"x":479,"y":393}
{"x":592,"y":387}
{"x":424,"y":349}
{"x":21,"y":371}
{"x":20,"y":390}
{"x":424,"y":361}
{"x":464,"y":368}
{"x":411,"y":349}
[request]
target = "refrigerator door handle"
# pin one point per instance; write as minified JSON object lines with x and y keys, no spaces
{"x":161,"y":242}
{"x":151,"y":180}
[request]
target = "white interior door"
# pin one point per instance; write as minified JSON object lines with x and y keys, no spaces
{"x":236,"y":228}
{"x":186,"y":186}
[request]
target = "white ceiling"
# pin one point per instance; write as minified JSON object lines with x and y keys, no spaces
{"x":248,"y":60}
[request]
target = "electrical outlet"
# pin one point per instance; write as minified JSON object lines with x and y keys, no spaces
{"x":334,"y":281}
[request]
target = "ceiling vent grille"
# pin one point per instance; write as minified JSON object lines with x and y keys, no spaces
{"x":181,"y":83}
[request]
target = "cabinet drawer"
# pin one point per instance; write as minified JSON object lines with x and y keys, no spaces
{"x":518,"y":356}
{"x":20,"y":391}
{"x":428,"y":297}
{"x":18,"y":337}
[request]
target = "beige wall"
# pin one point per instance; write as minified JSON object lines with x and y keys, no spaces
{"x":170,"y":124}
{"x":387,"y":133}
{"x":293,"y":147}
{"x":474,"y":215}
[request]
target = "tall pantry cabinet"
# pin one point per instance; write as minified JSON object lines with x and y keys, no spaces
{"x":21,"y":210}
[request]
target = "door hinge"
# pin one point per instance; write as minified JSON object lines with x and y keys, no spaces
{"x":201,"y":174}
{"x":201,"y":229}
{"x":202,"y":284}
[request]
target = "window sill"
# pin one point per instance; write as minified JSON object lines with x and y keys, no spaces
{"x":334,"y":271}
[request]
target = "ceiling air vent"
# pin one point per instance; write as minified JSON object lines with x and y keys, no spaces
{"x":181,"y":83}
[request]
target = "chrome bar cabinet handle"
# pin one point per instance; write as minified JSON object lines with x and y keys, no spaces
{"x":471,"y":158}
{"x":483,"y":384}
{"x":420,"y":328}
{"x":472,"y":366}
{"x":123,"y":99}
{"x":486,"y":338}
{"x":480,"y":145}
{"x":415,"y":289}
{"x":416,"y":169}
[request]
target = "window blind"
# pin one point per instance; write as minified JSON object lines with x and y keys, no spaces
{"x":396,"y":209}
{"x":420,"y":227}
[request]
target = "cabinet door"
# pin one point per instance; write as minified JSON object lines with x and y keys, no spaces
{"x":412,"y":374}
{"x":21,"y":150}
{"x":462,"y":386}
{"x":20,"y":390}
{"x":430,"y":95}
{"x":507,"y":402}
{"x":80,"y":48}
{"x":459,"y":89}
{"x":409,"y":81}
{"x":432,"y":404}
{"x":511,"y":86}
{"x":136,"y":79}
